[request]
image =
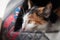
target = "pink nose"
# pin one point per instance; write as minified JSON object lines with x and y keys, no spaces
{"x":23,"y":29}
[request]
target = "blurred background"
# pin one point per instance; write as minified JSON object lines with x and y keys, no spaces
{"x":3,"y":4}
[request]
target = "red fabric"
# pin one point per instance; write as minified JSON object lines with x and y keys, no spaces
{"x":12,"y":34}
{"x":9,"y":30}
{"x":8,"y":20}
{"x":15,"y":35}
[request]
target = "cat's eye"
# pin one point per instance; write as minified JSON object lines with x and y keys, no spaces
{"x":39,"y":14}
{"x":29,"y":21}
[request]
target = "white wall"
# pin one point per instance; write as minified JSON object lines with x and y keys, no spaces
{"x":3,"y":4}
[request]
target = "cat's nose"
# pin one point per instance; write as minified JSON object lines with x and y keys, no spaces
{"x":23,"y":26}
{"x":23,"y":29}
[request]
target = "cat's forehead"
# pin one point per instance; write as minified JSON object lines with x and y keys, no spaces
{"x":36,"y":9}
{"x":32,"y":13}
{"x":35,"y":12}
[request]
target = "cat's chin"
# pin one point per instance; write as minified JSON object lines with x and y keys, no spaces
{"x":43,"y":30}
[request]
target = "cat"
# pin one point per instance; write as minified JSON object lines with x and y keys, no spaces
{"x":37,"y":19}
{"x":50,"y":20}
{"x":40,"y":19}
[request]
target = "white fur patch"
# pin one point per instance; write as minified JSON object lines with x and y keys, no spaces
{"x":25,"y":19}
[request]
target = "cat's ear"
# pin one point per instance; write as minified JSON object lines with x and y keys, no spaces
{"x":30,"y":4}
{"x":47,"y":10}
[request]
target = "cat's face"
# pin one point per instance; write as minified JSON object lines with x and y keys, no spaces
{"x":36,"y":19}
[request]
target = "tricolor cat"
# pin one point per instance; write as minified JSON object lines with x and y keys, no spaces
{"x":37,"y":18}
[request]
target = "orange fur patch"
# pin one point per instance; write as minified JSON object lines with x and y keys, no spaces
{"x":35,"y":18}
